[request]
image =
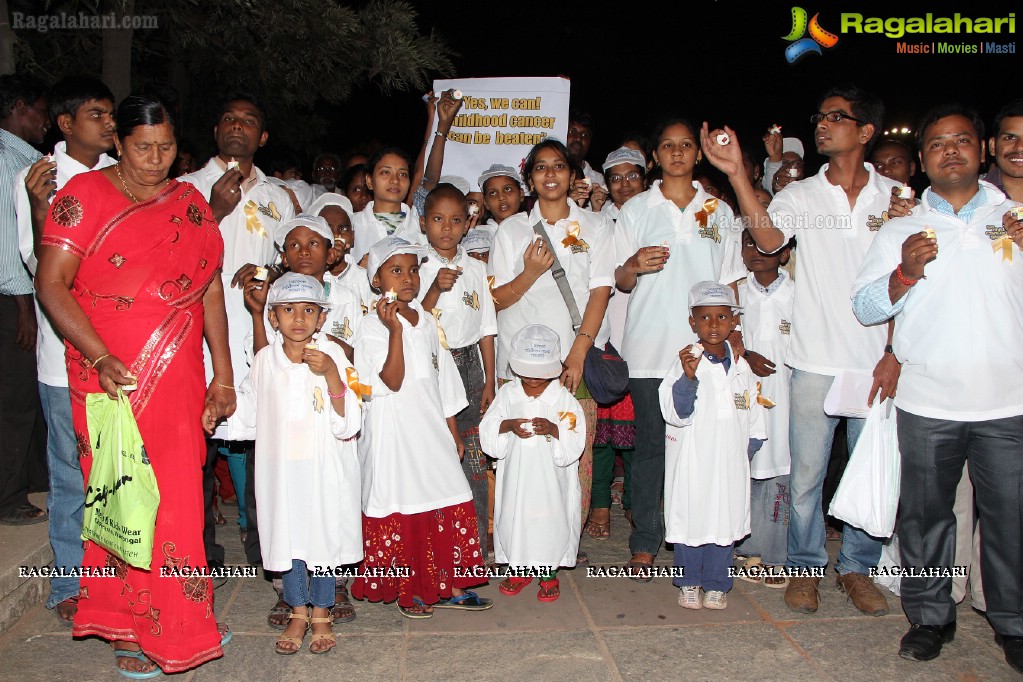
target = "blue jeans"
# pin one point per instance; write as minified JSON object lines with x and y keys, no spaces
{"x":769,"y":520}
{"x":705,"y":566}
{"x":235,"y":457}
{"x":66,"y":498}
{"x":300,"y":588}
{"x":811,"y":433}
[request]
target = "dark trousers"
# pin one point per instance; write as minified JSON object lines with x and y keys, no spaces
{"x":933,"y":453}
{"x":19,"y":414}
{"x":214,"y":552}
{"x":647,"y":468}
{"x":252,"y":551}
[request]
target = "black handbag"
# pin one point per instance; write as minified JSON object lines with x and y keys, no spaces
{"x":605,"y":372}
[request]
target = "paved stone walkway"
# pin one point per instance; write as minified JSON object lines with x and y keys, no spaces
{"x":600,"y":629}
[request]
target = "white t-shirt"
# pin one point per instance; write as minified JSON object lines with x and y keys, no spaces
{"x":537,"y":496}
{"x":832,"y":241}
{"x":308,"y":483}
{"x":368,"y":230}
{"x":248,"y":238}
{"x":706,"y":466}
{"x":409,"y":459}
{"x":355,"y":278}
{"x":657,"y":325}
{"x":959,"y":332}
{"x":766,"y":329}
{"x":588,"y":264}
{"x":467,"y":310}
{"x":50,"y":364}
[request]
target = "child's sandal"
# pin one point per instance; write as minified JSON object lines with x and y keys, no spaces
{"x":322,"y":637}
{"x":550,"y":590}
{"x":512,"y":585}
{"x":285,"y":639}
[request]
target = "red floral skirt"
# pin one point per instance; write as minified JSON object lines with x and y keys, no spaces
{"x":440,"y":549}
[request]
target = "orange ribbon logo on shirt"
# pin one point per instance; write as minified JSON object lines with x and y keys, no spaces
{"x":352,"y":379}
{"x":573,"y":235}
{"x":709,"y":207}
{"x":252,"y":222}
{"x":440,"y":330}
{"x":763,"y":400}
{"x":570,"y":417}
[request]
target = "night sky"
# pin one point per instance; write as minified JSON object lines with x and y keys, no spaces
{"x":719,"y":61}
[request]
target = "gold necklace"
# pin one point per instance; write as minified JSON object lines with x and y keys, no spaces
{"x":117,"y":169}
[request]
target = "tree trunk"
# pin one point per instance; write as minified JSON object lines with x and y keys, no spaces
{"x":117,"y":49}
{"x":6,"y":41}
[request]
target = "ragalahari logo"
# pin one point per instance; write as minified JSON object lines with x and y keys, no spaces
{"x":800,"y":46}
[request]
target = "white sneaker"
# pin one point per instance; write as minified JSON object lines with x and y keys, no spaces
{"x":715,"y":599}
{"x":689,"y":598}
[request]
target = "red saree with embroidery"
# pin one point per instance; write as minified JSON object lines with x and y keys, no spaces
{"x":144,"y":270}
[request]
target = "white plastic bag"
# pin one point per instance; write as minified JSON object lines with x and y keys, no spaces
{"x":868,"y":494}
{"x":888,"y":566}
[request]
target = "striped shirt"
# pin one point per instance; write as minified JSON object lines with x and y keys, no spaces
{"x":15,"y":154}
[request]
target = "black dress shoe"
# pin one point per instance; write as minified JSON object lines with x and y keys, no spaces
{"x":1013,"y":648}
{"x":923,"y":642}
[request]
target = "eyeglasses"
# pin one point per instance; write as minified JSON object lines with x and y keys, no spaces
{"x":833,"y":117}
{"x":631,"y":177}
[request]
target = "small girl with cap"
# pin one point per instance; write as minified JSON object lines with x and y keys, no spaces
{"x":715,"y":424}
{"x":418,"y":509}
{"x":537,"y":431}
{"x":297,"y":406}
{"x":502,"y":195}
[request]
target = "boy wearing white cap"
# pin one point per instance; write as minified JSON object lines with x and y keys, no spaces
{"x":296,"y":403}
{"x":456,"y":291}
{"x":536,"y":430}
{"x":715,"y":423}
{"x":307,"y":246}
{"x":417,"y":506}
{"x":337,"y":210}
{"x":502,"y":195}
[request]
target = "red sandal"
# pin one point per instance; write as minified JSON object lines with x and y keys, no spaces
{"x":512,"y":585}
{"x":546,"y":586}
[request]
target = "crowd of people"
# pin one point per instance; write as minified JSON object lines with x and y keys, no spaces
{"x":403,"y":377}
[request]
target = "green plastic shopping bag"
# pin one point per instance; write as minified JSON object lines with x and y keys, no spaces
{"x":122,"y":497}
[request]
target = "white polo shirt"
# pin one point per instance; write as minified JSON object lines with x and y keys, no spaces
{"x":50,"y":364}
{"x":657,"y":323}
{"x":588,"y":264}
{"x":248,"y":238}
{"x":467,"y":310}
{"x":831,"y":242}
{"x":368,"y":230}
{"x":959,"y":331}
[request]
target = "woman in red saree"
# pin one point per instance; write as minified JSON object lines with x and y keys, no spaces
{"x":129,"y":272}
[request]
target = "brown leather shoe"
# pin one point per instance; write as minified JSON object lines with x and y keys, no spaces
{"x":864,"y":594}
{"x":802,"y":594}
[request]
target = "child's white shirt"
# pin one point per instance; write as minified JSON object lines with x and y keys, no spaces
{"x":766,"y":329}
{"x":536,"y":509}
{"x":467,"y":311}
{"x":354,"y":277}
{"x":409,"y":459}
{"x":308,"y":481}
{"x":706,"y":466}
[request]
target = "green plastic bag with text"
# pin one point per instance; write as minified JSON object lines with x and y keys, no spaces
{"x":121,"y":498}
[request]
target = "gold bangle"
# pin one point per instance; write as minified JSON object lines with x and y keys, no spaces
{"x":517,"y":294}
{"x":593,"y":341}
{"x":98,"y":360}
{"x":230,"y":388}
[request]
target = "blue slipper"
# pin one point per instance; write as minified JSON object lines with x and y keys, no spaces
{"x":228,"y":636}
{"x":467,"y":601}
{"x":138,"y":656}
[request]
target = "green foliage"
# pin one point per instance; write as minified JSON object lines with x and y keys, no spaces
{"x":294,"y":55}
